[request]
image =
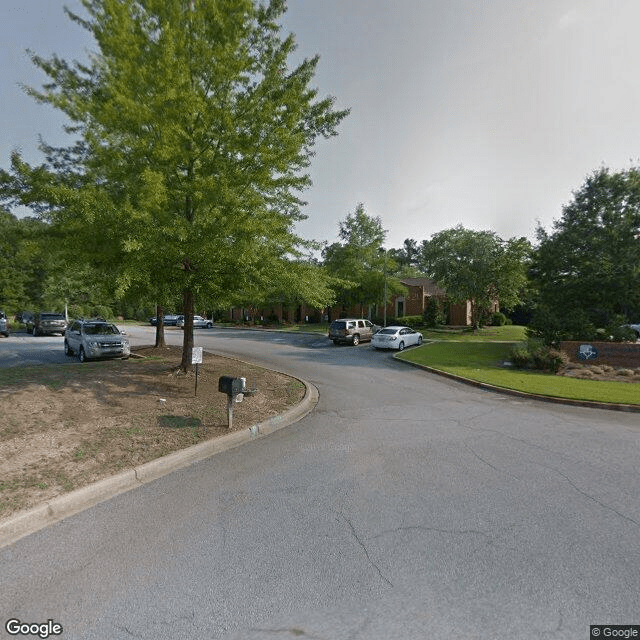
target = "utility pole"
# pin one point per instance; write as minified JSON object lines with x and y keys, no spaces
{"x":382,"y":251}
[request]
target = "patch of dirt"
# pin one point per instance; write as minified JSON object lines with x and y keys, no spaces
{"x":70,"y":425}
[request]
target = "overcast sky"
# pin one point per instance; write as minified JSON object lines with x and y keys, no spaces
{"x":485,"y":113}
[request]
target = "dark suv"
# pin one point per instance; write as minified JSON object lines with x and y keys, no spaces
{"x":47,"y":323}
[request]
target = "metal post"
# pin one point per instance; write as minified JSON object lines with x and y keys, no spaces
{"x":384,"y":268}
{"x":230,"y":402}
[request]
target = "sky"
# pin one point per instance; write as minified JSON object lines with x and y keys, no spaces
{"x":481,"y":113}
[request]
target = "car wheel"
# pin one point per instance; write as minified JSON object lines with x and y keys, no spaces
{"x":81,"y":355}
{"x":401,"y":346}
{"x":67,"y":350}
{"x":335,"y":342}
{"x":419,"y":340}
{"x":356,"y":340}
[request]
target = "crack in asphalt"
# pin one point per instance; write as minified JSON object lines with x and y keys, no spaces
{"x":587,"y":495}
{"x":488,"y":463}
{"x":418,"y":527}
{"x":127,"y":631}
{"x":294,"y":631}
{"x":366,"y":551}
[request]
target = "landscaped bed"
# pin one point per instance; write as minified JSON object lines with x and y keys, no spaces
{"x":488,"y":362}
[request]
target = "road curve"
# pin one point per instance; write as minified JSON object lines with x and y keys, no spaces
{"x":404,"y":506}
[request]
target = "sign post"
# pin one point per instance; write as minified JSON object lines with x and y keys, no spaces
{"x":196,"y":358}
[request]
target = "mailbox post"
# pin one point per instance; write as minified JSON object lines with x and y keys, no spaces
{"x":235,"y":389}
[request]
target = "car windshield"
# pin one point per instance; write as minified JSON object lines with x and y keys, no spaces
{"x":388,"y":331}
{"x":101,"y":329}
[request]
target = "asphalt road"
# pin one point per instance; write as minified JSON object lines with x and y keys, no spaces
{"x":405,"y":506}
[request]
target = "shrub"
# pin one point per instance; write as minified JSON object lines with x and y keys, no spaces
{"x":537,"y":355}
{"x":498,"y":319}
{"x":412,"y":321}
{"x":101,"y":311}
{"x":143,"y":314}
{"x":434,"y":313}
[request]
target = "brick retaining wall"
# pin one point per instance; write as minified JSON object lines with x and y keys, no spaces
{"x":616,"y":354}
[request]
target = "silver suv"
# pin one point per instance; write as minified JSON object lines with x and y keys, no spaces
{"x":95,"y":339}
{"x":353,"y":331}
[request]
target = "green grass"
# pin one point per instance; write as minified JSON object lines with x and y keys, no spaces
{"x":482,"y":361}
{"x":508,"y":333}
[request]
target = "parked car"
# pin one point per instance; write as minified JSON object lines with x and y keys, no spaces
{"x":4,"y":324}
{"x":352,"y":330}
{"x":25,"y":317}
{"x":396,"y":338}
{"x":198,"y":322}
{"x":47,"y":323}
{"x":169,"y":320}
{"x":635,"y":328}
{"x":90,"y":339}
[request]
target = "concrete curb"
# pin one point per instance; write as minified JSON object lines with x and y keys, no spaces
{"x":71,"y":503}
{"x":521,"y":394}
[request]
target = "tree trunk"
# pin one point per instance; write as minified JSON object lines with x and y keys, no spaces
{"x":160,"y":327}
{"x":187,"y":342}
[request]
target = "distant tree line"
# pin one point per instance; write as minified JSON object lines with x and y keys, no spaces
{"x":581,"y":280}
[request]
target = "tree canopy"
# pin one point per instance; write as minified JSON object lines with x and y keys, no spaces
{"x":194,"y":139}
{"x":478,"y":266}
{"x":587,"y":269}
{"x":359,"y":261}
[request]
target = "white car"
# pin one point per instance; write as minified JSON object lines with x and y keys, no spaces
{"x":396,"y":338}
{"x":198,"y":322}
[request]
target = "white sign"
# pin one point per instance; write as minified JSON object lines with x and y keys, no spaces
{"x":196,"y":355}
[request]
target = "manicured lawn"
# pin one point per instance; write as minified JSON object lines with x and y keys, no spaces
{"x":508,"y":333}
{"x":482,"y":361}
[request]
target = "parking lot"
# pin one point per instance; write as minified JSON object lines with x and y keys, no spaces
{"x":21,"y":348}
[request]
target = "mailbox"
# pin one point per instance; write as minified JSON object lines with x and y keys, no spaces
{"x":230,"y":385}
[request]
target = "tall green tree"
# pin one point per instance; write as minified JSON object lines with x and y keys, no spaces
{"x":478,"y":266}
{"x":359,"y":262}
{"x":587,"y":269}
{"x":26,"y":260}
{"x":408,"y":255}
{"x":194,"y":142}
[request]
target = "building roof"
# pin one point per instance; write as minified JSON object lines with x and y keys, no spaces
{"x":428,"y":286}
